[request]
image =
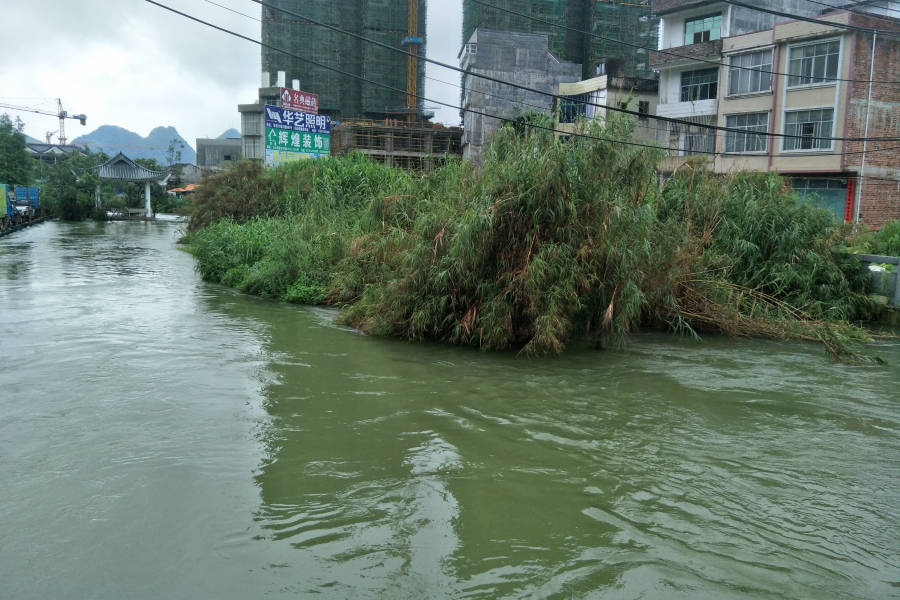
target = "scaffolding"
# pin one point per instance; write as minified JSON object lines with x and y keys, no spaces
{"x":401,"y":144}
{"x":341,"y":97}
{"x":479,"y":16}
{"x":630,"y":21}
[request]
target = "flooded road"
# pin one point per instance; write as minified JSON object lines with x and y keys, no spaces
{"x":165,"y":438}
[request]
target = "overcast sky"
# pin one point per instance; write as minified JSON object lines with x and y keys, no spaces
{"x":132,"y":64}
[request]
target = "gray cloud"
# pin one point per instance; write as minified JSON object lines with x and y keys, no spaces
{"x":131,"y":64}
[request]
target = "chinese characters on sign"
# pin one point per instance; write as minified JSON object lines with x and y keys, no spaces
{"x":294,"y":100}
{"x":293,"y":135}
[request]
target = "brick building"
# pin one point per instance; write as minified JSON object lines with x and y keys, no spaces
{"x":720,"y":65}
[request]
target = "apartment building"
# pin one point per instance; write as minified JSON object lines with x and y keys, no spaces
{"x":810,"y":82}
{"x":586,"y":99}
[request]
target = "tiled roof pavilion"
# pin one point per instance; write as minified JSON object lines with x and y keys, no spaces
{"x":122,"y":168}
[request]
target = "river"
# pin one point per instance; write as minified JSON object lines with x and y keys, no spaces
{"x":165,"y":438}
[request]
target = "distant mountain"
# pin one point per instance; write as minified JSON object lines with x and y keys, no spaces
{"x":31,"y":140}
{"x":112,"y":140}
{"x":231,"y":133}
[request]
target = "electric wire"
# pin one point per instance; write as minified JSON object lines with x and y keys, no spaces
{"x":667,"y":52}
{"x":557,"y":96}
{"x":232,"y":10}
{"x":851,"y":10}
{"x":504,"y":119}
{"x":793,"y":17}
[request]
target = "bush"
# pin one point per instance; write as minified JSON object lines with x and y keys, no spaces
{"x":280,"y":232}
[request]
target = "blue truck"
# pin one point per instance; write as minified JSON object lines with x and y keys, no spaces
{"x":28,"y":202}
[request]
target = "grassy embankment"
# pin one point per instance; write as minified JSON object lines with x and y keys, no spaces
{"x":548,"y":241}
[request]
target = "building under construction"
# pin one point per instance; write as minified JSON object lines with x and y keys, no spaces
{"x":609,"y":22}
{"x":395,"y":23}
{"x":412,"y":146}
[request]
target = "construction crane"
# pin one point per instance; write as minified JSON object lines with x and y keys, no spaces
{"x":412,"y":42}
{"x":60,"y":113}
{"x":49,"y":135}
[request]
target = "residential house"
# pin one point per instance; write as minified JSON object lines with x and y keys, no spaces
{"x":809,"y":82}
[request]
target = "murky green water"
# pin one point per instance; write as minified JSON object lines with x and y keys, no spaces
{"x":164,"y":438}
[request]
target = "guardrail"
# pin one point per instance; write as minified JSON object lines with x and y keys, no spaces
{"x":884,"y":283}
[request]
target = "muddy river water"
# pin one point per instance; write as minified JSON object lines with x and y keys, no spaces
{"x":165,"y":438}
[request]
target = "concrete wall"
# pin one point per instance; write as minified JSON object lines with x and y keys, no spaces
{"x":212,"y":153}
{"x":518,"y":58}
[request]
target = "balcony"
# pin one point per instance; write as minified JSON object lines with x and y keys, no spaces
{"x":686,"y":110}
{"x":665,"y":7}
{"x":682,"y":54}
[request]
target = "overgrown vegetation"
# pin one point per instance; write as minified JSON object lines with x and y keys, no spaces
{"x":15,"y":164}
{"x":547,"y":241}
{"x":281,"y":233}
{"x":885,"y":242}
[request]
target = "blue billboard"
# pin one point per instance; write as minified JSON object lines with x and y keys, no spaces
{"x":293,"y":120}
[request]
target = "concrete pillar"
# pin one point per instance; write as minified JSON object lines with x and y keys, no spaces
{"x":97,"y":196}
{"x":147,"y":200}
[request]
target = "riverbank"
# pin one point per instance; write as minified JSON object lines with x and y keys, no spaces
{"x":546,"y":241}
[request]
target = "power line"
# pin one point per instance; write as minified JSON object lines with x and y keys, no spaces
{"x":730,"y":154}
{"x":556,"y":96}
{"x":667,"y":52}
{"x":793,"y":17}
{"x":848,"y":9}
{"x":232,"y":10}
{"x":504,"y":119}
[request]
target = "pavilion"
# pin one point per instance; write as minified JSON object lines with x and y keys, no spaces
{"x":122,"y":168}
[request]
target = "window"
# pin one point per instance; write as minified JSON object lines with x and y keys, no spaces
{"x":703,"y":29}
{"x":582,"y":106}
{"x":810,"y":126}
{"x":753,"y":124}
{"x":741,"y":80}
{"x":702,"y":84}
{"x":644,"y":109}
{"x":830,"y":194}
{"x":814,"y":63}
{"x":699,"y":140}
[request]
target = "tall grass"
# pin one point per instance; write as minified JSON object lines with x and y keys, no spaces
{"x":280,"y":233}
{"x":548,"y":240}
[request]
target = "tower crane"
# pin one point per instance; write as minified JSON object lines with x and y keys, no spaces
{"x":50,"y":134}
{"x":60,"y":113}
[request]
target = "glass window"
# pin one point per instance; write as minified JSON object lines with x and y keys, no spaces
{"x":810,"y":126}
{"x":703,"y":29}
{"x":643,"y":109}
{"x":582,"y":106}
{"x":814,"y":63}
{"x":753,"y":124}
{"x":702,"y":84}
{"x":741,"y":80}
{"x":699,"y":140}
{"x":830,"y":194}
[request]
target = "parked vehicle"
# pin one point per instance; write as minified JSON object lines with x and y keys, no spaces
{"x":7,"y":219}
{"x":22,"y":205}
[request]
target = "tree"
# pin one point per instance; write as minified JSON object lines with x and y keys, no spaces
{"x":173,"y":154}
{"x":15,"y":164}
{"x":71,"y":197}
